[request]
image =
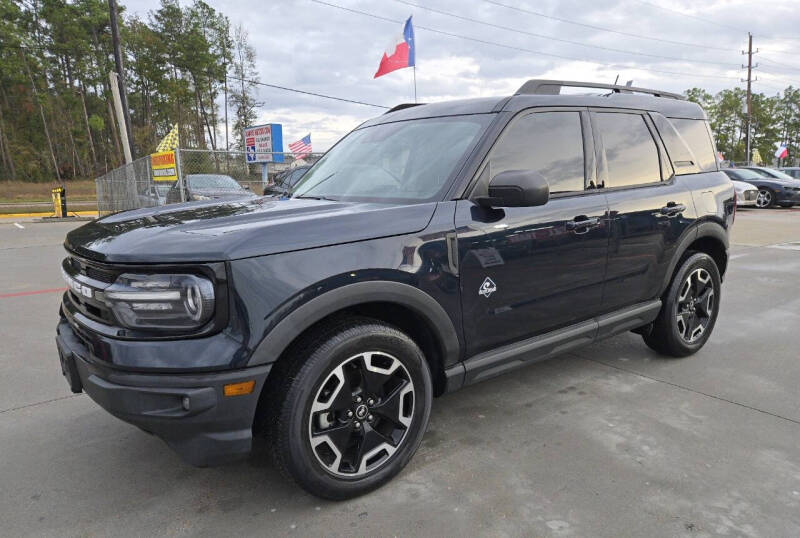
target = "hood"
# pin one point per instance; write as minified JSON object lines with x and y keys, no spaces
{"x":242,"y":228}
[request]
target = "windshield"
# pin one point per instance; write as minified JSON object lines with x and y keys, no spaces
{"x":211,"y":181}
{"x":741,"y":173}
{"x":407,"y":161}
{"x":777,"y":173}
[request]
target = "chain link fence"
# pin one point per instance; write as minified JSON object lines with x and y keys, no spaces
{"x":131,"y":186}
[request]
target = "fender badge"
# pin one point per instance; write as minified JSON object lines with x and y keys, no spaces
{"x":487,"y":288}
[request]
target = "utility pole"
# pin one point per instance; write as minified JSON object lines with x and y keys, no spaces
{"x":749,"y":81}
{"x":123,"y":95}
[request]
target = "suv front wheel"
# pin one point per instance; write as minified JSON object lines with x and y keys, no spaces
{"x":689,"y":309}
{"x":351,"y":408}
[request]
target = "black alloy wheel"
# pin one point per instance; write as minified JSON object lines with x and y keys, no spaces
{"x":695,"y":305}
{"x":689,"y":308}
{"x":347,"y":408}
{"x":361,"y":414}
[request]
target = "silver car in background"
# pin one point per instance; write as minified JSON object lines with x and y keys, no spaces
{"x":746,"y":194}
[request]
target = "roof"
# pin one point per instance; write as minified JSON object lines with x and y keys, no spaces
{"x":542,"y":93}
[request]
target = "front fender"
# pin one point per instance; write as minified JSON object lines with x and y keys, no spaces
{"x":309,"y":313}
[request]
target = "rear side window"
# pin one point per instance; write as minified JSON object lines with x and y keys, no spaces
{"x":550,"y":143}
{"x":677,"y":149}
{"x":696,"y":135}
{"x":631,"y":152}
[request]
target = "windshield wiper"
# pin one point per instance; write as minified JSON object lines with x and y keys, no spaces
{"x":317,"y":198}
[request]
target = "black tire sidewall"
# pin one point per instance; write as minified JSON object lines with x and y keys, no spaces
{"x":300,"y":460}
{"x":675,"y":340}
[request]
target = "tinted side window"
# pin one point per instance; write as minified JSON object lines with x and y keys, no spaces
{"x":679,"y":153}
{"x":695,"y":133}
{"x":550,"y":143}
{"x":631,"y":152}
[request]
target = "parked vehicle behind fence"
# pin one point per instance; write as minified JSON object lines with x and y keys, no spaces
{"x":285,"y":181}
{"x":207,"y":187}
{"x":433,"y":247}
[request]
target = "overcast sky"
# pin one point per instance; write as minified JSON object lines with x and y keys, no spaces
{"x":315,"y":47}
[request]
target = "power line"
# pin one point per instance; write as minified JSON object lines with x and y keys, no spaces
{"x":776,"y":78}
{"x":688,"y":16}
{"x":522,"y":49}
{"x":304,"y":92}
{"x":552,"y":38}
{"x":602,"y":29}
{"x":781,"y":65}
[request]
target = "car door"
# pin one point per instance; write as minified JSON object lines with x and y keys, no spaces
{"x":650,"y":207}
{"x":528,"y":270}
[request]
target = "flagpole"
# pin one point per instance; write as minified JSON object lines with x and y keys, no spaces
{"x":415,"y":82}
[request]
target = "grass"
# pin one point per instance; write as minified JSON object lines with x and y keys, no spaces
{"x":13,"y":192}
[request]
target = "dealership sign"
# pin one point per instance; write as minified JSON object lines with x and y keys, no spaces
{"x":263,"y":143}
{"x":162,"y":165}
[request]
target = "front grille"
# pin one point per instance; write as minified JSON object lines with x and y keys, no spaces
{"x":93,"y":279}
{"x":91,"y":270}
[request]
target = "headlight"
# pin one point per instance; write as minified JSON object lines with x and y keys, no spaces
{"x":174,"y":301}
{"x":200,"y":197}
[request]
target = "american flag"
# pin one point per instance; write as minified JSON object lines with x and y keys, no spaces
{"x":301,"y":148}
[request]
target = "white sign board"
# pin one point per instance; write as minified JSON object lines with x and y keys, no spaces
{"x":258,"y":143}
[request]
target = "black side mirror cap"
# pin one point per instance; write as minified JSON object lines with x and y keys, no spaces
{"x":516,"y":188}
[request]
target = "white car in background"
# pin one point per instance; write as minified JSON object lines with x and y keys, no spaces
{"x":746,"y":194}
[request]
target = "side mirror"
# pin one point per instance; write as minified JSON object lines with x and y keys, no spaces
{"x":247,"y":187}
{"x":517,"y":188}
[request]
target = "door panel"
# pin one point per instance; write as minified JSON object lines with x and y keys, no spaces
{"x":643,"y":240}
{"x":545,"y":268}
{"x":650,"y":208}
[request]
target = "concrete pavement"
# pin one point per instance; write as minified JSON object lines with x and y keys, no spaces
{"x":612,"y":440}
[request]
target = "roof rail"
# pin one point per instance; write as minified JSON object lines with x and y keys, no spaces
{"x":553,"y":87}
{"x":401,"y":106}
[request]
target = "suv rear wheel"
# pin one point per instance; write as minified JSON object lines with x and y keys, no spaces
{"x":689,"y":309}
{"x":351,"y":408}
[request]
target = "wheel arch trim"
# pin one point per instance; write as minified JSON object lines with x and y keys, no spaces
{"x":707,"y":228}
{"x":303,"y":317}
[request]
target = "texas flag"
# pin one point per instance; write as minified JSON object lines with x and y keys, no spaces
{"x":399,"y":53}
{"x":781,"y":152}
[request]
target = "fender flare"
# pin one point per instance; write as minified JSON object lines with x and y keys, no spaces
{"x":278,"y":339}
{"x":707,"y":228}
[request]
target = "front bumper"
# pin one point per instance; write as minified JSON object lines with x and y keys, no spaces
{"x":188,"y":411}
{"x":746,"y":198}
{"x":787,"y":197}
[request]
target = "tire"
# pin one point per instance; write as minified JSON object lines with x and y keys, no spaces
{"x":765,"y":199}
{"x":685,"y":303}
{"x":351,"y":406}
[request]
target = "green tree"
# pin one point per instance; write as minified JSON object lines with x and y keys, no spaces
{"x":245,"y":81}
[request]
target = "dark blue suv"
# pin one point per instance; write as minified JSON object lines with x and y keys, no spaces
{"x":433,"y":247}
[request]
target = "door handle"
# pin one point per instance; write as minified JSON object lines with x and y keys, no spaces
{"x":673,"y":209}
{"x":582,"y":224}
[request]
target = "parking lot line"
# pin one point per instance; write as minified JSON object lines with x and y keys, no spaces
{"x":33,"y":292}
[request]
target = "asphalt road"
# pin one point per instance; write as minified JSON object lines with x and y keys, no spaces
{"x":611,"y":440}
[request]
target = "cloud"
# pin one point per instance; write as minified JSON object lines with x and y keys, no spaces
{"x":322,"y":49}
